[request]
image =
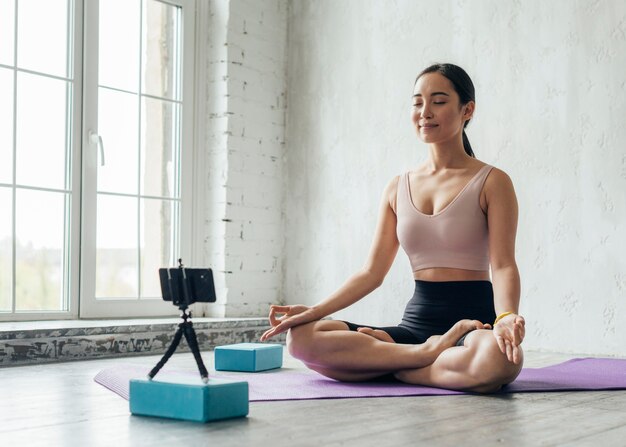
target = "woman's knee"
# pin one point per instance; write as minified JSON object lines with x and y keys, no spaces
{"x":511,"y":370}
{"x":302,"y":341}
{"x":298,"y":339}
{"x":493,"y":368}
{"x":504,"y":370}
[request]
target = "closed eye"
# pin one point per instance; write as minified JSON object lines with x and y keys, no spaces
{"x":419,"y":105}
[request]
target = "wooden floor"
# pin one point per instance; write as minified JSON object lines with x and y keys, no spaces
{"x":60,"y":405}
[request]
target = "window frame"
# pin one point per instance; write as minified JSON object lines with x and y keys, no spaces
{"x":72,"y":212}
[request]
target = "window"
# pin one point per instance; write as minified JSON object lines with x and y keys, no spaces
{"x":37,"y":139}
{"x":95,"y":154}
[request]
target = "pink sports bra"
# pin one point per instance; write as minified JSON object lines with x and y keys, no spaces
{"x":455,"y":237}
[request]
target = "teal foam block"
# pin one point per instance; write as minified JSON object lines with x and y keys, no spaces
{"x":248,"y":357}
{"x":191,"y":400}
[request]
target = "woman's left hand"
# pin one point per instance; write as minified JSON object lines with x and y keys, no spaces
{"x":509,"y":333}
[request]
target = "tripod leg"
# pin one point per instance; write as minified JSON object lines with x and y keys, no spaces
{"x":168,"y":353}
{"x":192,"y":341}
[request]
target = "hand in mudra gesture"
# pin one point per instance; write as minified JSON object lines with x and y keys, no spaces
{"x":509,"y":333}
{"x":291,"y":316}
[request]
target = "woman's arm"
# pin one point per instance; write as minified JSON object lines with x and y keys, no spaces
{"x":502,"y":214}
{"x":380,"y":258}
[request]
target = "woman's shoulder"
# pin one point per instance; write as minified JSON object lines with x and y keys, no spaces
{"x":498,"y":182}
{"x":497,"y":175}
{"x":391,"y":191}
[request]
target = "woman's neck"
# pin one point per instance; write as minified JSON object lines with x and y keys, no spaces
{"x":447,"y":156}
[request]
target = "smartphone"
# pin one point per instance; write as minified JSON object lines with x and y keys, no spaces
{"x":187,"y":285}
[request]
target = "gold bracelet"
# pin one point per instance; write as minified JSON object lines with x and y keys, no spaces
{"x":501,"y":316}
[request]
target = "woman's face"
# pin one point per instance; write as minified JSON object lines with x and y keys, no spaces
{"x":436,"y":113}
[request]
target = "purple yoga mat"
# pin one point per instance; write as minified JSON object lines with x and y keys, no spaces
{"x":286,"y":384}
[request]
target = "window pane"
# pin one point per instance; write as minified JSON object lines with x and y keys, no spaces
{"x":160,"y":52}
{"x":6,"y":248}
{"x":6,"y":125}
{"x":159,"y":163}
{"x":157,"y":244}
{"x":39,"y":226}
{"x":7,"y":31}
{"x":42,"y":39}
{"x":116,"y":250}
{"x":118,"y":124}
{"x":40,"y":135}
{"x":118,"y":65}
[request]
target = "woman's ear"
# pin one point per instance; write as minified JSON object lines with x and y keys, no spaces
{"x":468,"y":110}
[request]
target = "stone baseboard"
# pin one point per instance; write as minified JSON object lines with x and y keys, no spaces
{"x":20,"y":345}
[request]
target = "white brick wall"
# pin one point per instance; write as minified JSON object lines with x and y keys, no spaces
{"x":244,"y":151}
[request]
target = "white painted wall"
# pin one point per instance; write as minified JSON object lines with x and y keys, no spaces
{"x":242,"y":126}
{"x":551,"y":107}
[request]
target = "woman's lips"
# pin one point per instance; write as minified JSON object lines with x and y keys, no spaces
{"x":429,"y":127}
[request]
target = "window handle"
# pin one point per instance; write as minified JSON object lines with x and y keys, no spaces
{"x":96,"y":139}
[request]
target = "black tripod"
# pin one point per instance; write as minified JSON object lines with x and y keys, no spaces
{"x":186,"y":328}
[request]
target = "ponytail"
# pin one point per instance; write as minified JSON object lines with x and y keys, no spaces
{"x":466,"y":144}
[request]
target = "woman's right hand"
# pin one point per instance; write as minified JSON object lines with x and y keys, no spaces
{"x":291,"y":316}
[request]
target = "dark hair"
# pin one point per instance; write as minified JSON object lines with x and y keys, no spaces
{"x":462,"y":85}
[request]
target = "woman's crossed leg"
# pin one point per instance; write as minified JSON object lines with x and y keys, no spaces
{"x":331,"y":349}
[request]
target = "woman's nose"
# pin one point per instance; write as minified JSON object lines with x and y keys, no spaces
{"x":426,"y":111}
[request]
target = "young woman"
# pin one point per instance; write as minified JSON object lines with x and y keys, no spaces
{"x":455,"y":217}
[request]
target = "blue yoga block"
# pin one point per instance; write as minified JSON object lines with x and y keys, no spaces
{"x":249,"y":357}
{"x":182,"y":398}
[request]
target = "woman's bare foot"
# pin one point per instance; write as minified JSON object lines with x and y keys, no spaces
{"x":427,"y":352}
{"x":442,"y":342}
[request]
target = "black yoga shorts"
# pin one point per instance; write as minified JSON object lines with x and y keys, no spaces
{"x":436,"y":306}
